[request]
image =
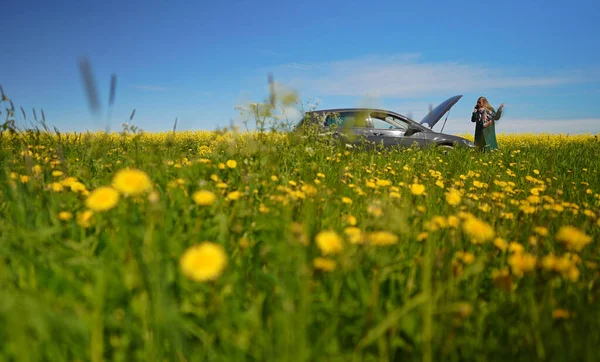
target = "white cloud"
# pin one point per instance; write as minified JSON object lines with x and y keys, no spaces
{"x":299,"y":66}
{"x":405,"y":75}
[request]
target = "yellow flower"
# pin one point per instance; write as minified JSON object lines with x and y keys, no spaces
{"x":153,"y":197}
{"x":479,"y":231}
{"x":382,"y":238}
{"x":453,"y":197}
{"x":234,"y":195}
{"x":383,"y":183}
{"x":374,"y":210}
{"x":204,"y":197}
{"x":263,"y":209}
{"x":77,"y":187}
{"x":465,"y":256}
{"x":57,"y":173}
{"x":422,"y":236}
{"x":329,"y":242}
{"x":132,"y":182}
{"x":351,"y":220}
{"x":231,"y":163}
{"x":354,"y":235}
{"x":37,"y":169}
{"x":203,"y":262}
{"x":346,"y":200}
{"x":84,"y":219}
{"x":102,"y":199}
{"x":540,"y":230}
{"x":324,"y":264}
{"x":453,"y":221}
{"x":65,"y":215}
{"x":515,"y":248}
{"x":321,"y":175}
{"x":573,"y":238}
{"x":522,"y":263}
{"x":561,"y":314}
{"x":417,"y":189}
{"x":500,"y":244}
{"x":56,"y":186}
{"x":395,"y":195}
{"x":527,"y":209}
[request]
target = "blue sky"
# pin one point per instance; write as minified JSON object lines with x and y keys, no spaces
{"x":198,"y":60}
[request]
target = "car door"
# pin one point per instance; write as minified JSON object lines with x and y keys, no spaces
{"x":389,"y":130}
{"x":353,"y":127}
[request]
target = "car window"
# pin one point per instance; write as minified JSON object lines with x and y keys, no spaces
{"x":388,"y":122}
{"x":346,"y":120}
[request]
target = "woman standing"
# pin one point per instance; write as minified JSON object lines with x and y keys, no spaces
{"x":485,"y":118}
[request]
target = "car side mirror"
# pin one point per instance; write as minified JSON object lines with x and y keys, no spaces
{"x":411,"y":131}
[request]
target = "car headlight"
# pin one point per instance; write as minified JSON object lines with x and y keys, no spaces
{"x":468,"y":143}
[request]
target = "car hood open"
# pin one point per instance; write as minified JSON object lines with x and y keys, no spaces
{"x":438,"y":112}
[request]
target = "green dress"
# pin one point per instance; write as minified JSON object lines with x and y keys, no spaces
{"x":485,"y":137}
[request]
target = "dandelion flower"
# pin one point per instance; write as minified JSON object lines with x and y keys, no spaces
{"x":351,"y":220}
{"x":417,"y":189}
{"x":263,"y":209}
{"x":324,"y":264}
{"x":500,"y":244}
{"x":453,"y":197}
{"x":65,"y":215}
{"x":37,"y":169}
{"x":77,"y":187}
{"x":540,"y":230}
{"x":354,"y":235}
{"x":479,"y":231}
{"x":329,"y":242}
{"x":521,"y":263}
{"x":422,"y":236}
{"x":382,"y":238}
{"x":204,"y":197}
{"x":346,"y":200}
{"x":383,"y":183}
{"x":234,"y":195}
{"x":573,"y":238}
{"x":231,"y":163}
{"x":203,"y":262}
{"x":132,"y":182}
{"x":102,"y":199}
{"x":561,"y":314}
{"x":56,"y":186}
{"x":84,"y":219}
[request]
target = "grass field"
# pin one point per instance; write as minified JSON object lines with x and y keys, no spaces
{"x":224,"y":246}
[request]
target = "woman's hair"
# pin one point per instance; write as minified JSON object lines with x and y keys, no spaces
{"x":485,"y":103}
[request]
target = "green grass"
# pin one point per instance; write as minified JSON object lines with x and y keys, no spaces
{"x":115,"y":291}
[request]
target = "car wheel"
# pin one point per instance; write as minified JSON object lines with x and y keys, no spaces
{"x":445,"y":148}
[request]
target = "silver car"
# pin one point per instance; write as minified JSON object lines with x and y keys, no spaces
{"x":387,"y":128}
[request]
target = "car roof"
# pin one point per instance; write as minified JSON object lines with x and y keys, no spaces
{"x":354,"y":110}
